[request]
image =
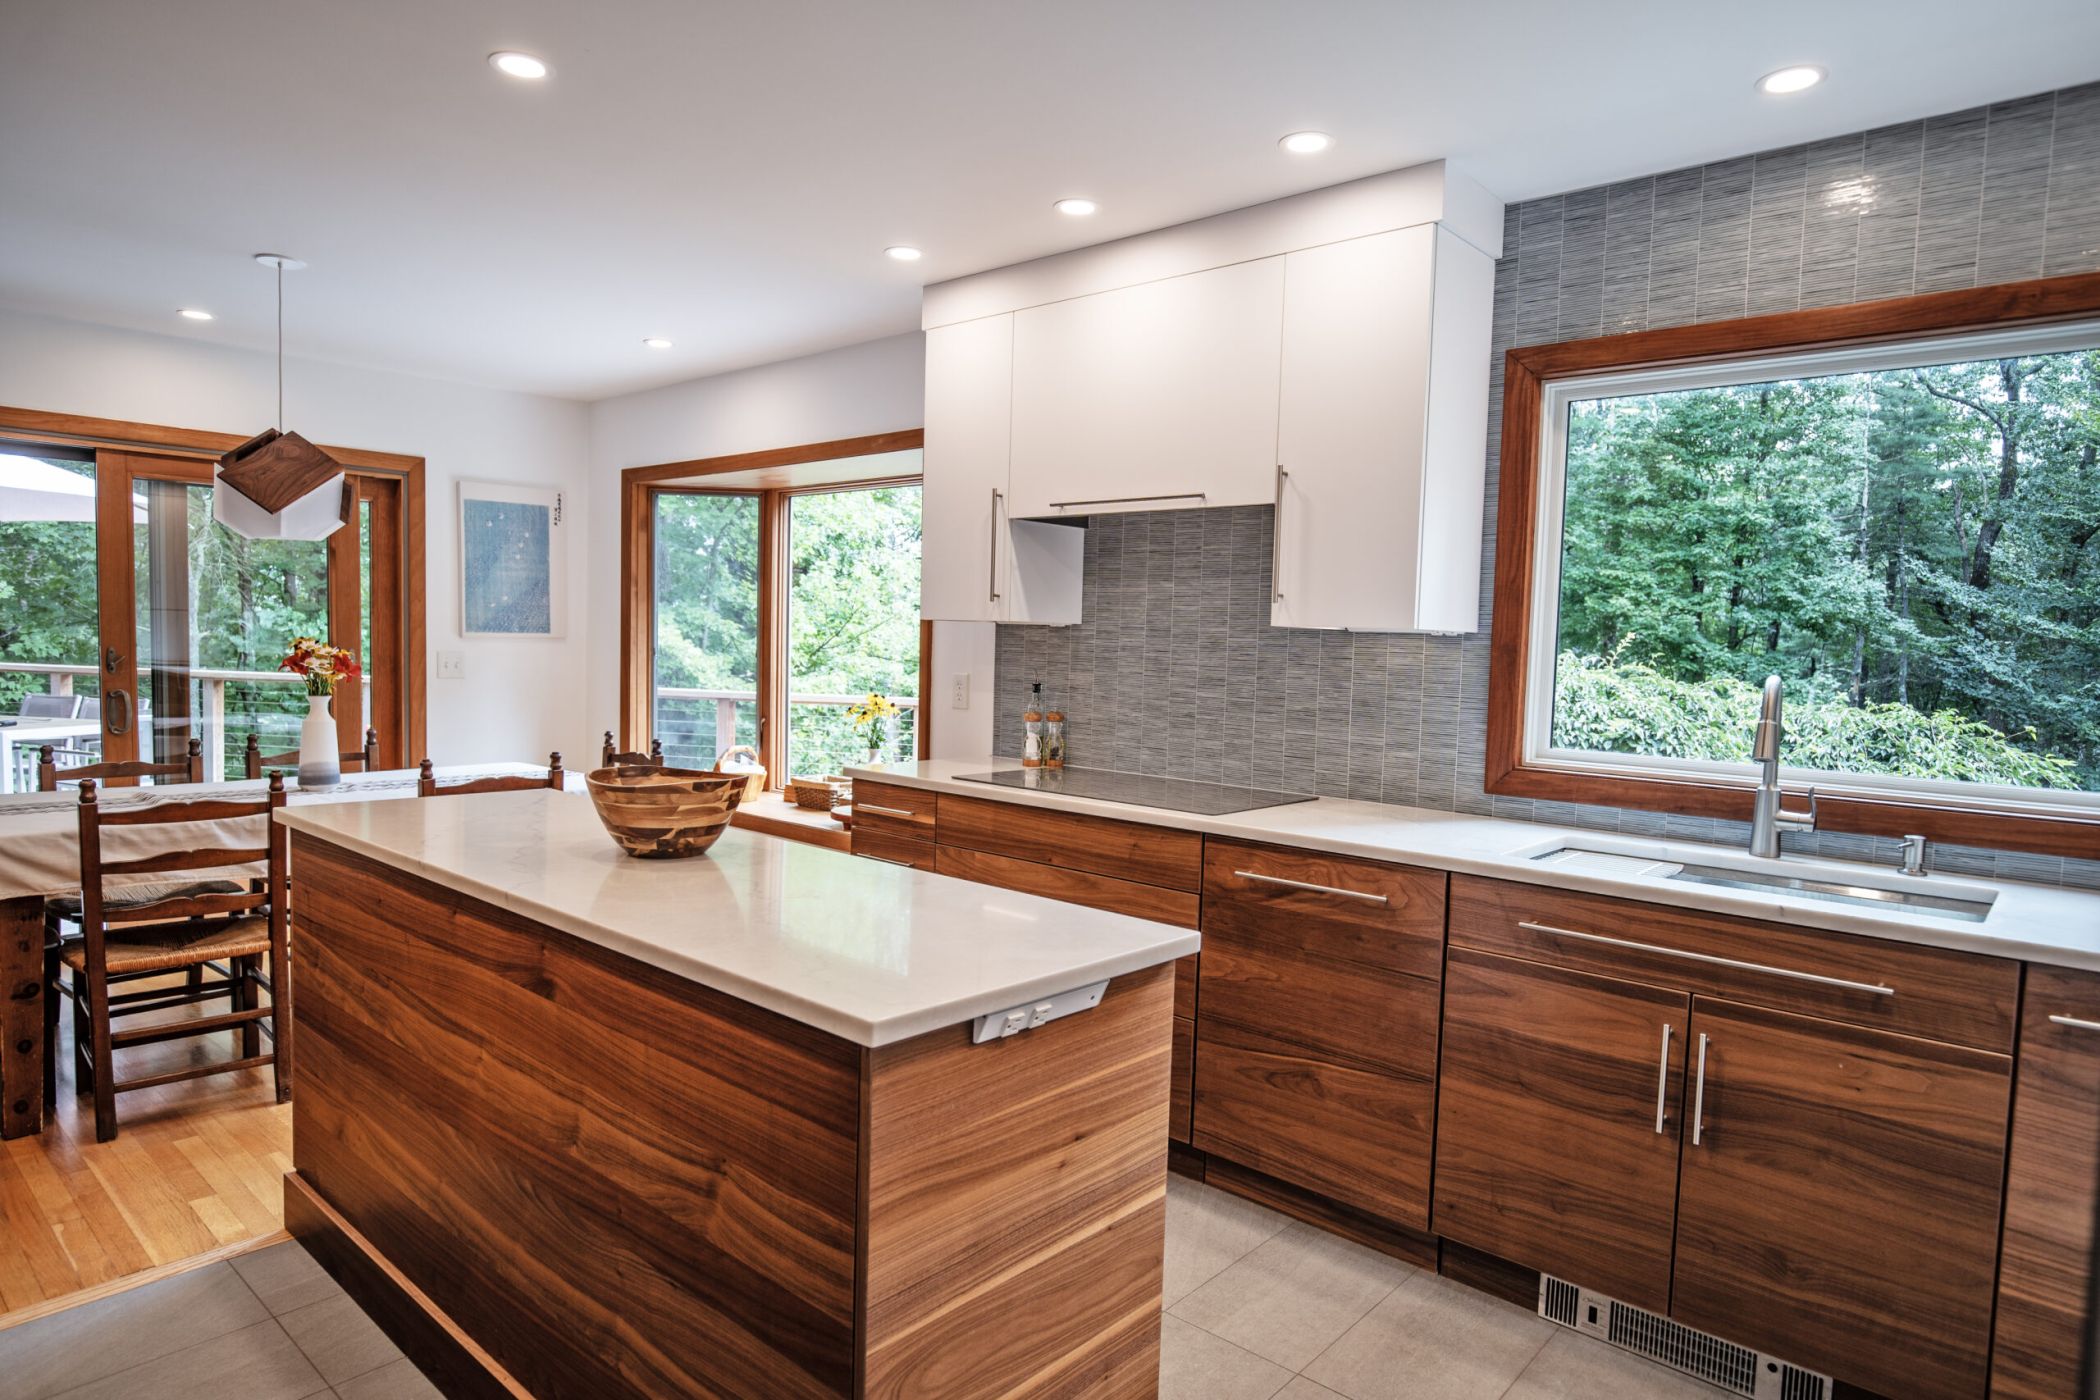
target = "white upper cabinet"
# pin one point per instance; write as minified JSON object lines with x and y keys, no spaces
{"x":1382,"y":429}
{"x":1156,"y":396}
{"x":975,"y":563}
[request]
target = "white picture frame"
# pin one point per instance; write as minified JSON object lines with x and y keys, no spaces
{"x":513,"y":561}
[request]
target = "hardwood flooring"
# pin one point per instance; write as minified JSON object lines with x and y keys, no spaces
{"x":196,"y":1166}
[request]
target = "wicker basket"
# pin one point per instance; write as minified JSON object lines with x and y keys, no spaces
{"x":753,"y":773}
{"x":819,"y":794}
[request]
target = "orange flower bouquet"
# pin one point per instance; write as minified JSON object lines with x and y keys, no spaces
{"x":320,"y":664}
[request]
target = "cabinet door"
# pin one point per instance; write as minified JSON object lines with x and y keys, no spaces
{"x":969,"y":394}
{"x":2045,"y":1271}
{"x":1559,"y":1105}
{"x":1838,"y":1203}
{"x":1164,"y":391}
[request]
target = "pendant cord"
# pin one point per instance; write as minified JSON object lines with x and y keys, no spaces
{"x":280,"y":345}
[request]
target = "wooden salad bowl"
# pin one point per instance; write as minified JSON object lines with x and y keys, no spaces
{"x":664,"y":813}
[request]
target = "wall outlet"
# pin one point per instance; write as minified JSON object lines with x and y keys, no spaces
{"x":959,"y":691}
{"x":452,"y":665}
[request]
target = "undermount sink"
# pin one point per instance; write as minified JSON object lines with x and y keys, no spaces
{"x":1821,"y":881}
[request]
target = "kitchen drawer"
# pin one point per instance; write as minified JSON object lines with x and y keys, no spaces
{"x":1181,"y":1095}
{"x":890,"y":810}
{"x":1072,"y":886}
{"x":1964,"y":998}
{"x":1263,"y":979}
{"x":897,"y":850}
{"x":1126,"y":851}
{"x":1326,"y":910}
{"x":1356,"y":1135}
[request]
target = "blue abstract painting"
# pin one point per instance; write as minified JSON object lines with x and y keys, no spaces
{"x":508,"y":569}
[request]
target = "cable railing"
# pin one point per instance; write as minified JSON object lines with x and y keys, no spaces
{"x":704,"y":746}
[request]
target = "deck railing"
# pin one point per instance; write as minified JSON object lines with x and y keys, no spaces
{"x":704,"y":745}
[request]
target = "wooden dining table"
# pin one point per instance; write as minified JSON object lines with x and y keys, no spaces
{"x":40,"y":858}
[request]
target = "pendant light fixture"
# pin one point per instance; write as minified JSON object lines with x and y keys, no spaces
{"x":277,"y":485}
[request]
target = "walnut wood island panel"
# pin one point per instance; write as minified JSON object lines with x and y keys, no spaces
{"x":573,"y":1124}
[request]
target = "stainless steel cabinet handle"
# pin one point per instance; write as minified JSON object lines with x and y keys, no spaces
{"x":885,"y":811}
{"x":1276,"y":539}
{"x":997,"y":497}
{"x":1818,"y":978}
{"x":1132,"y":500}
{"x":1662,"y":1081}
{"x":1307,"y":885}
{"x":886,"y":860}
{"x":1699,"y":1095}
{"x":2077,"y":1023}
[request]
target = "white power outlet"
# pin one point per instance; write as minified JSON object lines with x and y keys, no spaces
{"x":452,"y":665}
{"x":959,"y":691}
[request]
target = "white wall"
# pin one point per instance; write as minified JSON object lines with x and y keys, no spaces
{"x":519,"y":698}
{"x":875,"y":387}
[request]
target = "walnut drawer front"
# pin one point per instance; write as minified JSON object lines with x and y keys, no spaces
{"x":1125,"y":851}
{"x":1072,"y":886}
{"x":894,"y":850}
{"x":1325,"y":908}
{"x":890,"y":810}
{"x":1963,"y":998}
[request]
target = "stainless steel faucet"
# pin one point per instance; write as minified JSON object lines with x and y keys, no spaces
{"x":1767,"y":820}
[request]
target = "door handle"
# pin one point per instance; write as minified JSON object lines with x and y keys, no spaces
{"x":2076,"y":1023}
{"x":1276,"y":540}
{"x":993,"y":555}
{"x":1662,"y":1082}
{"x":116,"y":712}
{"x":1699,"y":1095}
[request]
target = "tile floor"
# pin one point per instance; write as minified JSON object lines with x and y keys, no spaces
{"x":1259,"y":1307}
{"x":270,"y":1325}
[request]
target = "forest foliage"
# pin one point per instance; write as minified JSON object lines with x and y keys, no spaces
{"x":1912,"y":550}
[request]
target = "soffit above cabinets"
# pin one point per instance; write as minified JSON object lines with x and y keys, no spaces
{"x":1433,"y":192}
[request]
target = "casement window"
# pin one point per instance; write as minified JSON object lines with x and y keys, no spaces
{"x":1905,"y":528}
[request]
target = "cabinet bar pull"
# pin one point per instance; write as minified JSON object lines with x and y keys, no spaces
{"x":886,"y":860}
{"x":1308,"y":885}
{"x":1276,"y":539}
{"x":1699,"y":1096}
{"x":885,"y":811}
{"x":1662,"y":1080}
{"x":1132,"y":500}
{"x":2077,"y":1023}
{"x":997,"y":497}
{"x":1816,"y":977}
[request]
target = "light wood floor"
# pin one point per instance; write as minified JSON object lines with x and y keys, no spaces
{"x":195,"y":1166}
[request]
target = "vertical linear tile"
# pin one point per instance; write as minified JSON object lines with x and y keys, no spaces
{"x":1538,"y":271}
{"x":1629,"y":218}
{"x":1950,"y":200}
{"x":2072,"y":233}
{"x":1724,"y":239}
{"x":1673,"y":253}
{"x":1834,"y":174}
{"x":1581,"y":292}
{"x":2015,"y":207}
{"x":1888,"y":218}
{"x":1778,"y":201}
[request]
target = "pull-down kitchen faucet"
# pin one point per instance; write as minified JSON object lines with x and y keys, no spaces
{"x":1767,"y":820}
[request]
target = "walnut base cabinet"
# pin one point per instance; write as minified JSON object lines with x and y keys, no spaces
{"x":2045,"y":1264}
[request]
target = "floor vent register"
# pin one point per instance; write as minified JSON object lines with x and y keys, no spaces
{"x":1695,"y":1353}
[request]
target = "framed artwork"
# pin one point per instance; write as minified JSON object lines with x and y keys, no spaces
{"x":512,"y":560}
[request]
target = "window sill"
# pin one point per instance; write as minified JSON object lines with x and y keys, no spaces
{"x":776,"y":816}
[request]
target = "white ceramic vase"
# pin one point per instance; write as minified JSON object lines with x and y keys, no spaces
{"x":320,"y":761}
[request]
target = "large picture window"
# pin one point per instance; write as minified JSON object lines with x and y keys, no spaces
{"x":1905,"y":529}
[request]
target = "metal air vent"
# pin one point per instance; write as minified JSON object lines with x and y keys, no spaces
{"x":1700,"y":1354}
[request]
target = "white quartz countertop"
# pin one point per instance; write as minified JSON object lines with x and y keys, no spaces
{"x":870,"y":952}
{"x":2039,"y":923}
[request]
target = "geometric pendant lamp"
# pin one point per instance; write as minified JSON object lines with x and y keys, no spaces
{"x":277,"y":485}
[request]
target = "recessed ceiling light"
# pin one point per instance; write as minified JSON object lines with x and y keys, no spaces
{"x":513,"y":64}
{"x":1305,"y":143}
{"x":1799,"y":78}
{"x":904,"y":253}
{"x":191,"y":313}
{"x":657,"y":342}
{"x":1077,"y":208}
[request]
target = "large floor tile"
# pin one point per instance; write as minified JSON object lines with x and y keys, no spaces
{"x":1194,"y":1365}
{"x":1574,"y":1367}
{"x":1302,"y":1389}
{"x":113,"y":1334}
{"x":1291,"y":1296}
{"x":342,"y":1342}
{"x":1207,"y":1230}
{"x":400,"y":1381}
{"x":286,"y":1277}
{"x":1432,"y":1339}
{"x":255,"y":1363}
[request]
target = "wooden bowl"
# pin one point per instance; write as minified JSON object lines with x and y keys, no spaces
{"x":664,"y":813}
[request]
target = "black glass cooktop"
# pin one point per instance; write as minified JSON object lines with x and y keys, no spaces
{"x":1172,"y":794}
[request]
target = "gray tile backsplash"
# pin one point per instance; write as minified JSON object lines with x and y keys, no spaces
{"x":1176,"y":670}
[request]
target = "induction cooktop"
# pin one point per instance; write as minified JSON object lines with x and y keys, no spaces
{"x":1106,"y":785}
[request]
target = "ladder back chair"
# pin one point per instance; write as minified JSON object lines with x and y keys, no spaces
{"x":188,"y":769}
{"x":608,"y":755}
{"x":364,"y":760}
{"x":126,"y":940}
{"x":427,"y":784}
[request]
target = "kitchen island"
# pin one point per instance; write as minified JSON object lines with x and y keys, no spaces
{"x":775,"y":1121}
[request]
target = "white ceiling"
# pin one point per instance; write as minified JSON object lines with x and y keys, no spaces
{"x":727,"y":175}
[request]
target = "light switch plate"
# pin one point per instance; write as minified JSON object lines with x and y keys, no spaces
{"x":959,"y":691}
{"x":452,"y":665}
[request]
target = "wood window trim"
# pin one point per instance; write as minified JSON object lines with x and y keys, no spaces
{"x":639,"y":488}
{"x":1528,"y":369}
{"x":398,"y":622}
